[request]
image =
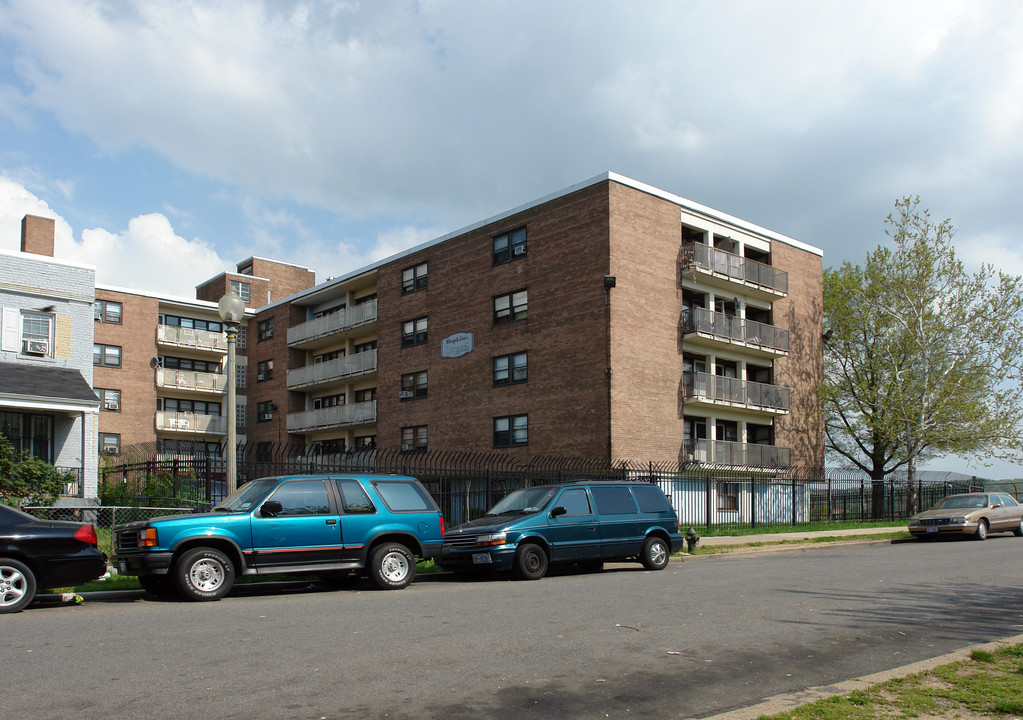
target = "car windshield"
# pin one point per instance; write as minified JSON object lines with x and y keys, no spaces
{"x":963,"y":502}
{"x":524,"y":501}
{"x":247,"y":496}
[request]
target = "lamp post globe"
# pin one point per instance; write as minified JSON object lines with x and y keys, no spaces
{"x":232,"y":312}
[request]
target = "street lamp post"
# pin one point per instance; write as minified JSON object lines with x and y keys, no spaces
{"x":232,"y":312}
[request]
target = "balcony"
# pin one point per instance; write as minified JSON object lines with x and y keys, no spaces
{"x":715,"y":390}
{"x":736,"y":454}
{"x":191,"y":339}
{"x":704,"y":327}
{"x":326,"y":330}
{"x":364,"y":413}
{"x":191,"y":423}
{"x":333,"y":372}
{"x":721,"y":268}
{"x":191,"y":381}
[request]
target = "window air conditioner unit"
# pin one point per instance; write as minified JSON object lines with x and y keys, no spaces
{"x":403,"y":394}
{"x":113,"y":406}
{"x":37,"y":347}
{"x":266,"y":416}
{"x":519,"y":250}
{"x":406,"y":448}
{"x":261,"y":377}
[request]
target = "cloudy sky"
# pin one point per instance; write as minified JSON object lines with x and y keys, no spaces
{"x":187,"y":136}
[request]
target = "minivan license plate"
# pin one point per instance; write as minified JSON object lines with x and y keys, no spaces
{"x":932,"y":529}
{"x":481,"y":558}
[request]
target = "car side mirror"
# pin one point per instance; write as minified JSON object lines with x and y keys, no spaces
{"x":559,"y":511}
{"x":271,"y":507}
{"x":995,"y":505}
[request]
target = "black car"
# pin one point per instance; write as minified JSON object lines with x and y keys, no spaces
{"x":38,"y":553}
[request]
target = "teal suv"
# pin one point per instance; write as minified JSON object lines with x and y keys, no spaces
{"x":583,"y":523}
{"x":328,"y":526}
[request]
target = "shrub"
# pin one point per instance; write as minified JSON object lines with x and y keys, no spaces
{"x":25,"y":479}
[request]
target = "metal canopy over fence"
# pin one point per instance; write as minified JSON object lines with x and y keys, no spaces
{"x":466,"y":484}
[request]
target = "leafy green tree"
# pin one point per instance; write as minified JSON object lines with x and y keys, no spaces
{"x":25,"y":479}
{"x":922,"y":358}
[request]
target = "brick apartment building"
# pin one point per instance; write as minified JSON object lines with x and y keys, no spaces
{"x":608,"y":320}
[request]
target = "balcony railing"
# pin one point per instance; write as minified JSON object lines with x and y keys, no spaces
{"x":191,"y":338}
{"x":737,"y":268}
{"x":321,"y":327}
{"x":736,"y":454}
{"x":735,"y":329}
{"x":732,"y":391}
{"x":333,"y":370}
{"x":191,"y":380}
{"x":363,"y":413}
{"x":185,"y":422}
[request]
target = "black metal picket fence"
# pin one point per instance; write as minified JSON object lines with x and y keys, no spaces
{"x":466,"y":484}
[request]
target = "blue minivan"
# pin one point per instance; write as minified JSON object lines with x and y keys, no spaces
{"x":584,"y":523}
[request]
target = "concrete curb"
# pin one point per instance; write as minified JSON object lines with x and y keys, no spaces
{"x":789,"y":701}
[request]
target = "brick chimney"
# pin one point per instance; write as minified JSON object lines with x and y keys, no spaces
{"x":37,"y":235}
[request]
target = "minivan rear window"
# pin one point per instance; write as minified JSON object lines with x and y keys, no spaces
{"x":651,"y":499}
{"x":403,"y":496}
{"x":613,"y":500}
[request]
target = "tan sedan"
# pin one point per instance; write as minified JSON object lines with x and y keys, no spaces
{"x":974,"y":514}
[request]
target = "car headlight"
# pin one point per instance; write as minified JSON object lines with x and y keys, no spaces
{"x":914,"y":521}
{"x":961,"y":520}
{"x":492,"y":539}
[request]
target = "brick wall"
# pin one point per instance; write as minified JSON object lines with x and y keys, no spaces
{"x":136,"y":378}
{"x":802,"y":313}
{"x":564,"y":334}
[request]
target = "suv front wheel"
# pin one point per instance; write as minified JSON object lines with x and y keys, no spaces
{"x":204,"y":574}
{"x":392,"y":566}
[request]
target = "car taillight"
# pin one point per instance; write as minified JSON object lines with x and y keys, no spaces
{"x":147,"y":538}
{"x":87,"y":534}
{"x":442,"y":526}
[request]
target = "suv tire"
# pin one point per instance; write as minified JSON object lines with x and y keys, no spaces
{"x":392,"y":566}
{"x":204,"y":574}
{"x":655,"y":553}
{"x":530,"y":562}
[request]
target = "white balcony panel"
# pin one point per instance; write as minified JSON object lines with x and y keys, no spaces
{"x":191,"y":423}
{"x":333,"y":371}
{"x":191,"y":381}
{"x":364,"y":413}
{"x":315,"y":332}
{"x":205,"y":340}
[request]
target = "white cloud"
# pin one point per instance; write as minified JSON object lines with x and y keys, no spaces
{"x":148,"y":255}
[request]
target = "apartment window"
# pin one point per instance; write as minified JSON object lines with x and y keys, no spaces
{"x":413,"y":439}
{"x":35,"y":333}
{"x":191,"y":323}
{"x":413,"y":386}
{"x":365,"y":346}
{"x":265,"y":411}
{"x":110,"y":400}
{"x":726,"y":431}
{"x":511,"y":431}
{"x":266,"y":329}
{"x":413,"y":278}
{"x":510,"y":369}
{"x":176,"y":363}
{"x":366,"y":442}
{"x":106,"y":311}
{"x":510,"y":307}
{"x":264,"y":370}
{"x":106,"y":355}
{"x":328,"y":401}
{"x":30,"y":433}
{"x":366,"y":395}
{"x":198,"y":407}
{"x":241,"y":289}
{"x":109,"y":443}
{"x":728,"y":497}
{"x":327,"y":357}
{"x":329,"y":447}
{"x":509,"y":245}
{"x":328,"y":311}
{"x":413,"y":332}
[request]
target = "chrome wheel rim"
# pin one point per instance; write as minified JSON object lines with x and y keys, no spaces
{"x":12,"y":586}
{"x":658,"y":553}
{"x":394,"y":566}
{"x":206,"y":575}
